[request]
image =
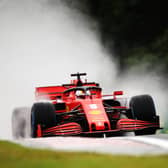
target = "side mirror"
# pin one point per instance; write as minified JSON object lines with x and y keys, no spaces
{"x":115,"y":93}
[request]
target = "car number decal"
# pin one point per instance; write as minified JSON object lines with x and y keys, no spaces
{"x":93,"y":106}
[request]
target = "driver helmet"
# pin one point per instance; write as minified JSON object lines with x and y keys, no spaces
{"x":80,"y":93}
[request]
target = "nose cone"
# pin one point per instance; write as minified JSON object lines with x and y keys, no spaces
{"x":100,"y":125}
{"x":96,"y":115}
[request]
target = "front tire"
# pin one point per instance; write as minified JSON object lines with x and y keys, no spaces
{"x":43,"y":114}
{"x":143,"y":108}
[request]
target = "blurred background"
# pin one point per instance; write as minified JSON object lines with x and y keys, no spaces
{"x":135,"y":30}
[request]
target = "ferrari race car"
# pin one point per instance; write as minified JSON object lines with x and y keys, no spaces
{"x":80,"y":109}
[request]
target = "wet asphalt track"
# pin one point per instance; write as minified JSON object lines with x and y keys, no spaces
{"x":131,"y":145}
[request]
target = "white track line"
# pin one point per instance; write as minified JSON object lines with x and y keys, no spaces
{"x":132,"y":145}
{"x":152,"y":141}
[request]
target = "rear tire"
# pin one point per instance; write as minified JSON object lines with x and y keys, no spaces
{"x":21,"y":122}
{"x":143,"y":108}
{"x":43,"y":114}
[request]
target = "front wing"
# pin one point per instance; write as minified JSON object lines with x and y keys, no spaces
{"x":73,"y":128}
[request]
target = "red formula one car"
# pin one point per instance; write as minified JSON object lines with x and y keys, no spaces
{"x":79,"y":108}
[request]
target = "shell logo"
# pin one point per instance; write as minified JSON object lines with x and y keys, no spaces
{"x":95,"y":112}
{"x":67,"y":108}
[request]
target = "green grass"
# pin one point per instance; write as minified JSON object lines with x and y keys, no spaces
{"x":16,"y":156}
{"x":164,"y":130}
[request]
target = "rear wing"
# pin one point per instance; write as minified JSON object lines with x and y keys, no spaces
{"x":56,"y":92}
{"x":50,"y":92}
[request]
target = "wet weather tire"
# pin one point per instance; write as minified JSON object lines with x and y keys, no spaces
{"x":21,"y":122}
{"x":143,"y":108}
{"x":43,"y":114}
